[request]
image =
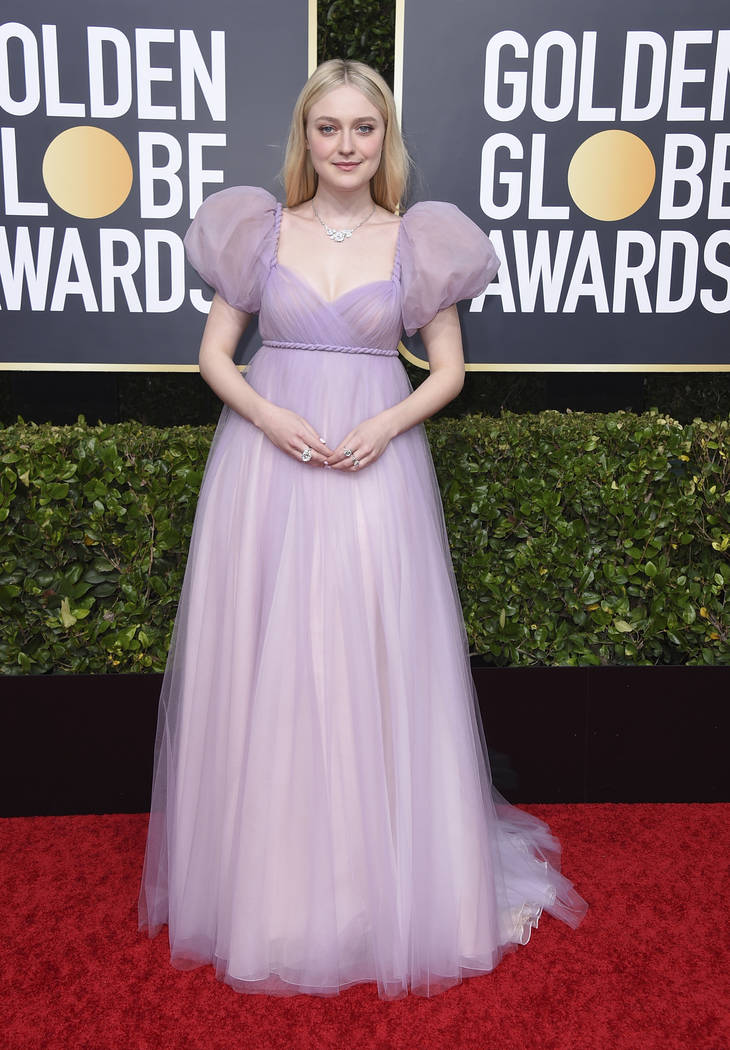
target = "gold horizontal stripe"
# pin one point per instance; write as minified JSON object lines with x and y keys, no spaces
{"x":491,"y":366}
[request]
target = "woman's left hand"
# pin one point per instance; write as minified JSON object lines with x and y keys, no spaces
{"x":368,"y":440}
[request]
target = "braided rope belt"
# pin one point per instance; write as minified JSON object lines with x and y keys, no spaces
{"x":381,"y":351}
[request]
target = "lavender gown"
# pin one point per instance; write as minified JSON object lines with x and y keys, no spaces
{"x":322,"y":807}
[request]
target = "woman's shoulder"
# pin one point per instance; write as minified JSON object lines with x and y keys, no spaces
{"x":437,"y":218}
{"x":438,"y":233}
{"x":445,"y":257}
{"x":229,"y":242}
{"x":239,"y":202}
{"x":238,"y":216}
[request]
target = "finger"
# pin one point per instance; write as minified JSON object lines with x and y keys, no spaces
{"x":307,"y":435}
{"x":318,"y":458}
{"x":339,"y":456}
{"x":368,"y":455}
{"x":315,"y":458}
{"x":346,"y":462}
{"x":314,"y":439}
{"x":360,"y":457}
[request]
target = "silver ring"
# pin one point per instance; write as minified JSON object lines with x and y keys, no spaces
{"x":307,"y":453}
{"x":347,"y":451}
{"x":356,"y":462}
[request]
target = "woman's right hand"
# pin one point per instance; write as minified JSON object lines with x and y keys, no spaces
{"x":291,"y":432}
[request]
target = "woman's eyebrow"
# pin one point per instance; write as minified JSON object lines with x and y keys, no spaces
{"x":336,"y":121}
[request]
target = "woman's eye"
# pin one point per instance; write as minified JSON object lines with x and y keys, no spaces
{"x":326,"y":128}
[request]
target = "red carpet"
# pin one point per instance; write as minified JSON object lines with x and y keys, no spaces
{"x":648,"y":969}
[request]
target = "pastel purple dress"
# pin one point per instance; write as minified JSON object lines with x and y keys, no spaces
{"x":322,"y":807}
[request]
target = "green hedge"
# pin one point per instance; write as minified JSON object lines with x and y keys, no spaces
{"x":576,"y":538}
{"x":590,"y":539}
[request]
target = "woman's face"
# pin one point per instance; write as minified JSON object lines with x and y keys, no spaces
{"x":344,"y":127}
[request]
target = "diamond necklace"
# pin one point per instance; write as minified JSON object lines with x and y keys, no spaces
{"x":339,"y":235}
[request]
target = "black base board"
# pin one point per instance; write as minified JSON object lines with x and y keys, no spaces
{"x":607,"y":734}
{"x":84,"y":743}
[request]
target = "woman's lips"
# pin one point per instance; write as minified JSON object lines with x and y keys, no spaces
{"x":347,"y":167}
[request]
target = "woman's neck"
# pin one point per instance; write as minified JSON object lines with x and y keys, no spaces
{"x":345,"y":208}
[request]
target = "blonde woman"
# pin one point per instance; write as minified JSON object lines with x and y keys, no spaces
{"x":322,"y":807}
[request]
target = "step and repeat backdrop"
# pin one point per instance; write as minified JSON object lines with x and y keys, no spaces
{"x":112,"y":133}
{"x":591,"y":142}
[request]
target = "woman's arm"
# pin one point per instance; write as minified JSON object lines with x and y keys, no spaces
{"x":286,"y":429}
{"x":442,"y":339}
{"x":221,"y":336}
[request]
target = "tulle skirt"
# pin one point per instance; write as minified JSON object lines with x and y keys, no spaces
{"x":322,"y":808}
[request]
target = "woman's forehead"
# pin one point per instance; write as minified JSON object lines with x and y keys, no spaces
{"x":343,"y":102}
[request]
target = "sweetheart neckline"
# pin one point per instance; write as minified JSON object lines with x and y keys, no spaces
{"x":275,"y":264}
{"x":330,"y":302}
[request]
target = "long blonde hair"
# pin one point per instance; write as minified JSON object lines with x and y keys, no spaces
{"x":389,"y":184}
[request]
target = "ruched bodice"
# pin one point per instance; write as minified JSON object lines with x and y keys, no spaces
{"x":365,"y":319}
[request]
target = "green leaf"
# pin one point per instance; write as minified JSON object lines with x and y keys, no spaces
{"x":622,"y":626}
{"x":67,"y":617}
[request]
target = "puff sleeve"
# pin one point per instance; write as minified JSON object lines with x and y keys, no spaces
{"x":445,"y":257}
{"x":230,"y":242}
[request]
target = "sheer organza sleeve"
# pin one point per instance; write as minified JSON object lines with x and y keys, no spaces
{"x":445,"y":257}
{"x":229,"y":243}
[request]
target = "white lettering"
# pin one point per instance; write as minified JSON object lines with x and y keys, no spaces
{"x":23,"y":270}
{"x":147,"y":73}
{"x":670,"y":240}
{"x":634,"y":273}
{"x":586,"y":109}
{"x":167,"y":174}
{"x":72,"y":254}
{"x":635,"y":41}
{"x":492,"y":74}
{"x":588,"y":261}
{"x":19,"y":107}
{"x":54,"y":106}
{"x":542,"y":273}
{"x":511,"y":179}
{"x":153,"y":241}
{"x":538,"y":210}
{"x":563,"y":43}
{"x":722,"y":72}
{"x":719,"y":179}
{"x":501,"y":286}
{"x":720,"y":269}
{"x":212,"y":82}
{"x":97,"y":36}
{"x":11,"y":191}
{"x":679,"y":75}
{"x":673,"y":174}
{"x":123,"y":272}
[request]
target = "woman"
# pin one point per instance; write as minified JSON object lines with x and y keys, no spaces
{"x":322,"y":809}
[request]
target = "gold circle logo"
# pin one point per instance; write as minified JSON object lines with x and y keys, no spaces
{"x":87,"y":172}
{"x":611,"y":175}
